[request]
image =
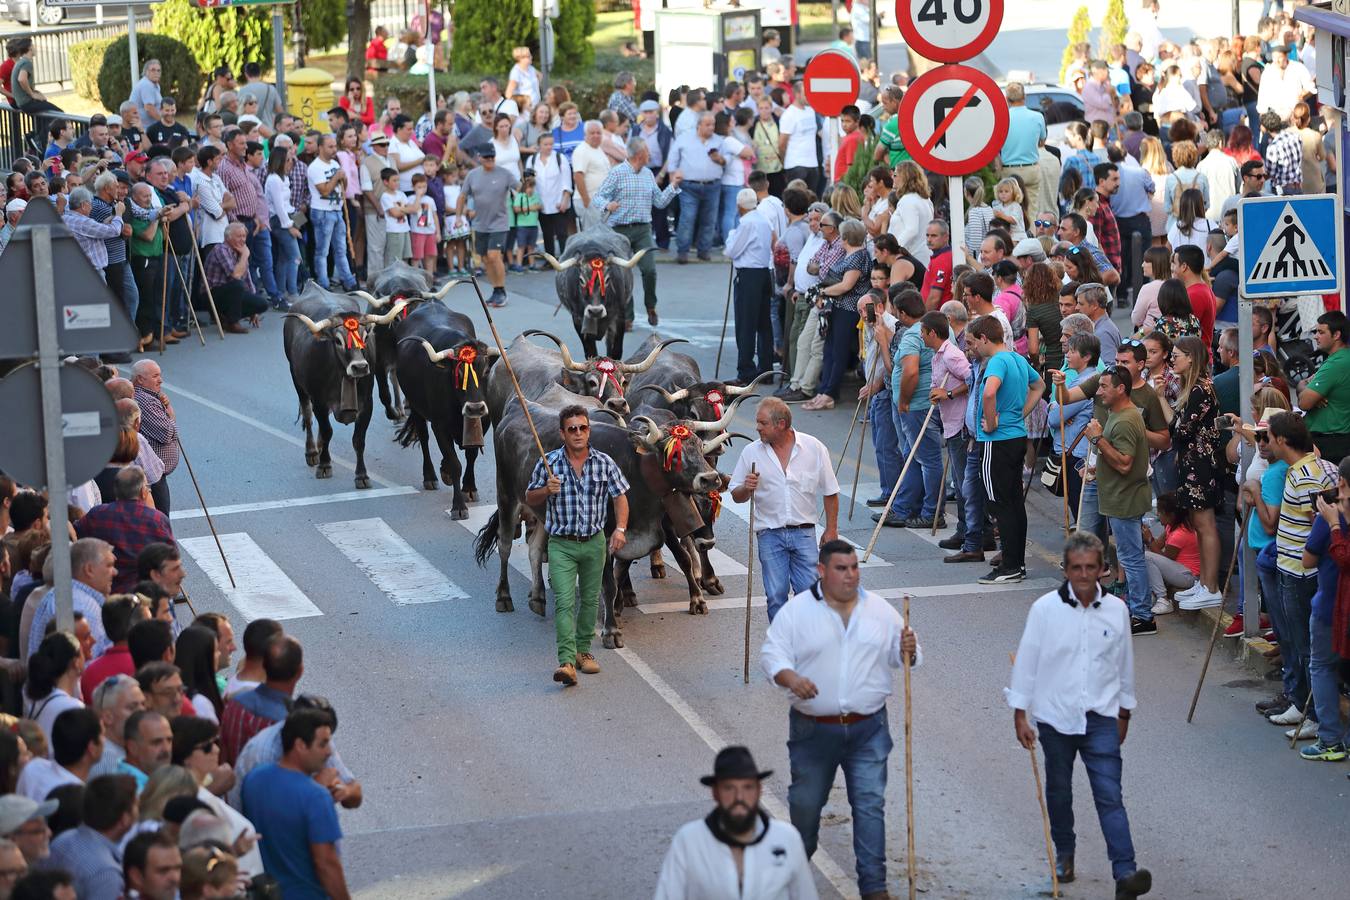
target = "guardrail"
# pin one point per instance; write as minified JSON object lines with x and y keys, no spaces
{"x":26,"y":133}
{"x":51,"y":62}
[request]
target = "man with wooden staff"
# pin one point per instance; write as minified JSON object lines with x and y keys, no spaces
{"x":832,"y":647}
{"x":791,"y":469}
{"x":1073,"y":677}
{"x":578,"y":484}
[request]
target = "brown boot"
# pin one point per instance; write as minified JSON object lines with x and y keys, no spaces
{"x":587,"y":664}
{"x":565,"y":674}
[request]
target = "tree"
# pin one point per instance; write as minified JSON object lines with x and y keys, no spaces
{"x":358,"y":35}
{"x":230,"y":36}
{"x":1079,"y":29}
{"x":487,"y":30}
{"x":325,"y":23}
{"x":1114,"y":27}
{"x":572,"y":31}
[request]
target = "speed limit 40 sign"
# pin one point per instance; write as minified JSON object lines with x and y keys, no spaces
{"x":949,"y":31}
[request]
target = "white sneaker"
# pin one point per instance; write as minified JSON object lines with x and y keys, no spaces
{"x":1189,"y":591}
{"x":1202,"y":599}
{"x":1290,"y":716}
{"x":1307,"y":730}
{"x":1163,"y":607}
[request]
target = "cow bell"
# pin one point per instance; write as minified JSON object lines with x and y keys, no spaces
{"x":473,"y":432}
{"x":682,"y":512}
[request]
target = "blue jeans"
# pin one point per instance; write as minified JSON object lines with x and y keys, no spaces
{"x":179,"y":292}
{"x":1324,"y":670}
{"x":726,"y":219}
{"x":330,"y":241}
{"x":1100,"y":749}
{"x":698,"y":216}
{"x":787,"y":559}
{"x":1091,"y":519}
{"x":1296,"y":601}
{"x":285,"y":259}
{"x":841,"y":346}
{"x":1230,"y":117}
{"x":815,"y":752}
{"x":972,"y":497}
{"x":922,"y":488}
{"x":956,"y":468}
{"x":1269,"y":577}
{"x":884,"y":442}
{"x":123,"y":282}
{"x":1165,"y":478}
{"x":1130,"y":553}
{"x":260,"y":261}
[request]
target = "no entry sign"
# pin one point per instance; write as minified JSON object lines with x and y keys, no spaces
{"x":949,"y":30}
{"x":831,"y":80}
{"x":953,"y":120}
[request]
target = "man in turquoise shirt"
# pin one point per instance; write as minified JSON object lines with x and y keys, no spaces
{"x":911,"y":383}
{"x":1021,"y":148}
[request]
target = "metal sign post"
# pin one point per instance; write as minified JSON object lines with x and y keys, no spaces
{"x":131,"y":46}
{"x":279,"y":51}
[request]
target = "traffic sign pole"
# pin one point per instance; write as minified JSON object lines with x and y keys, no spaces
{"x":131,"y":46}
{"x":49,"y":371}
{"x":956,"y":200}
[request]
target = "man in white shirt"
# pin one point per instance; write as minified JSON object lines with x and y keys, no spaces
{"x":737,"y":850}
{"x":786,"y":470}
{"x":1078,"y":688}
{"x":590,"y":165}
{"x":833,"y":648}
{"x":797,"y":140}
{"x":1283,"y":83}
{"x":750,"y":249}
{"x":327,"y":183}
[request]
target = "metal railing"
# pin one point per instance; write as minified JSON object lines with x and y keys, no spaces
{"x":26,"y":133}
{"x":51,"y":62}
{"x":393,"y":14}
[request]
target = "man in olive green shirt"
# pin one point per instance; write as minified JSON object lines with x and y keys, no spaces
{"x":1123,"y":496}
{"x":1326,"y":396}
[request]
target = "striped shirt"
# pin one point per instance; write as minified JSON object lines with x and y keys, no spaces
{"x":158,"y":428}
{"x":636,"y":193}
{"x":87,"y":602}
{"x":245,"y":187}
{"x":92,"y":860}
{"x":1298,"y":507}
{"x":579,"y":510}
{"x":102,"y":211}
{"x":93,"y":235}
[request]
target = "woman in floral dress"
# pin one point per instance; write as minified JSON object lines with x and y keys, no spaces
{"x":1195,"y":438}
{"x":1177,"y":318}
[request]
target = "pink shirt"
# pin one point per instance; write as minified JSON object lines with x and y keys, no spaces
{"x":1010,"y":301}
{"x":950,"y":366}
{"x":1099,"y":101}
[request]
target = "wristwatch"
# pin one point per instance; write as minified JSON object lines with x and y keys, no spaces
{"x":1095,"y":440}
{"x":949,"y":393}
{"x":623,"y":531}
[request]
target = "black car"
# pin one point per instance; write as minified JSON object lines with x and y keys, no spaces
{"x":52,"y":12}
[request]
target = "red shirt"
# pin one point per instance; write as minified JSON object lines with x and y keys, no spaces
{"x":115,"y":661}
{"x":939,"y":275}
{"x":848,"y":148}
{"x":1204,"y":307}
{"x":7,"y":70}
{"x":367,"y":112}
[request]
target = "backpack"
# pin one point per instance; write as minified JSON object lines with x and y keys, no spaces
{"x":1175,"y":212}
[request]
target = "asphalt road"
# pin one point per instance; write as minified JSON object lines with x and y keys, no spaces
{"x":484,"y":779}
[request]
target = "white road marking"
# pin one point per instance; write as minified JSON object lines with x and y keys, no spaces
{"x":725,"y":565}
{"x":833,"y":872}
{"x":892,"y":593}
{"x":405,"y":576}
{"x":264,"y":591}
{"x":479,"y":513}
{"x":264,"y":505}
{"x":274,"y":432}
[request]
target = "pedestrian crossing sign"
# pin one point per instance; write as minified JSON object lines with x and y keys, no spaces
{"x":1289,"y":245}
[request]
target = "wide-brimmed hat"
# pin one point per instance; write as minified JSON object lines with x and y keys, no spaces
{"x":379,"y":139}
{"x":16,"y":809}
{"x":1262,"y":424}
{"x":734,"y":762}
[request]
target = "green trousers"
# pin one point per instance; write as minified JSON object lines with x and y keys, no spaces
{"x":573,"y":613}
{"x":639,"y":235}
{"x":794,"y":320}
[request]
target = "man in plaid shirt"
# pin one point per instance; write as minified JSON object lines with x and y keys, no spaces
{"x":577,"y":482}
{"x":1284,"y":154}
{"x":129,"y":523}
{"x":1104,"y":220}
{"x":159,"y":426}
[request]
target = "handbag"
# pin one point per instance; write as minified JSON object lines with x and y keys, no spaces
{"x":1052,"y":476}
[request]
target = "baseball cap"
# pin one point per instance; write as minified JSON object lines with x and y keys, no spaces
{"x":488,"y":151}
{"x":114,"y":119}
{"x":16,"y":205}
{"x":1029,"y":247}
{"x":137,"y":156}
{"x":122,"y":175}
{"x":16,"y":809}
{"x":649,"y":106}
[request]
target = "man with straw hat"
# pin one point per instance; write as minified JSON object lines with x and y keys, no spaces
{"x":736,"y":850}
{"x":1073,"y":677}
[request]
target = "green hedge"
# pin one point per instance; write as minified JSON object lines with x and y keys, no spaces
{"x":181,"y":76}
{"x":86,"y":60}
{"x":590,"y":92}
{"x":487,"y":30}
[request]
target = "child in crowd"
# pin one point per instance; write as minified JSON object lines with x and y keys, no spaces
{"x":397,"y":208}
{"x":1173,"y":557}
{"x":431,"y":167}
{"x":979,"y":215}
{"x":525,"y":206}
{"x":423,"y":226}
{"x":456,"y":227}
{"x":1007,"y":208}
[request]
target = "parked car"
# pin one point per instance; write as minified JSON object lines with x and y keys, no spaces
{"x":1059,"y":104}
{"x":52,"y":12}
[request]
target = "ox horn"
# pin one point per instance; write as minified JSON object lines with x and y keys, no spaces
{"x":435,"y":355}
{"x":651,"y":357}
{"x":721,"y":424}
{"x":570,"y":364}
{"x":560,"y":267}
{"x":440,"y":295}
{"x":387,"y":317}
{"x":732,"y":391}
{"x":492,"y":353}
{"x":374,"y":301}
{"x":315,"y":328}
{"x":676,"y":397}
{"x":717,"y":442}
{"x":630,"y":261}
{"x":652,"y":439}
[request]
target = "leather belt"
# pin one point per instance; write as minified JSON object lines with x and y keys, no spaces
{"x":800,"y":525}
{"x":707,"y":181}
{"x":846,"y":719}
{"x":572,"y":537}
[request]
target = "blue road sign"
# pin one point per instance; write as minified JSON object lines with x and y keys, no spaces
{"x":1289,"y":245}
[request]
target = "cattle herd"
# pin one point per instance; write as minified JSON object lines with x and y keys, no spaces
{"x":652,"y":412}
